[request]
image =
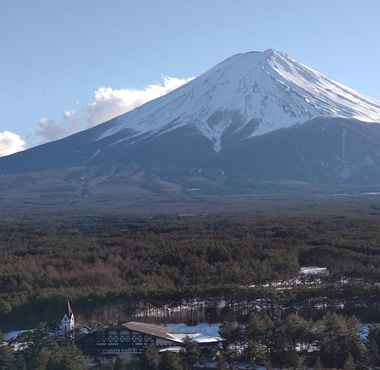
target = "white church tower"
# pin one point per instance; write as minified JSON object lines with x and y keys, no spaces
{"x":68,"y":322}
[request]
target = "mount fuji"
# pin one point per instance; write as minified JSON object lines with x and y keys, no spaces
{"x":255,"y":121}
{"x":256,"y":92}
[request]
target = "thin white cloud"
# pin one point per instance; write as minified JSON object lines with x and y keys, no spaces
{"x":107,"y":104}
{"x":110,"y":103}
{"x":49,"y":129}
{"x":10,"y":143}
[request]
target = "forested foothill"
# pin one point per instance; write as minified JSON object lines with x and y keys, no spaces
{"x":96,"y":260}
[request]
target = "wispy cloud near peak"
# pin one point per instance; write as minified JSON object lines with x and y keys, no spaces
{"x":107,"y":104}
{"x":10,"y":143}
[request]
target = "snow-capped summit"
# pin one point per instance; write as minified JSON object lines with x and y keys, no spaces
{"x":250,"y":93}
{"x":256,"y":121}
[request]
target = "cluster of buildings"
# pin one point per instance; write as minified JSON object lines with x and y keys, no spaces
{"x":130,"y":338}
{"x":135,"y":337}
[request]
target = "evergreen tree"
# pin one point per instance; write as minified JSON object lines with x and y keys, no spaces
{"x":339,"y":338}
{"x":104,"y":367}
{"x":349,"y":364}
{"x":42,"y":360}
{"x":20,"y":362}
{"x":170,"y":361}
{"x":295,"y":331}
{"x":301,"y":363}
{"x":40,"y":344}
{"x":373,"y":345}
{"x":119,"y":365}
{"x":232,"y":334}
{"x":318,"y":364}
{"x":268,"y":364}
{"x":260,"y":330}
{"x":222,"y":363}
{"x":72,"y":359}
{"x":151,"y":358}
{"x":254,"y":351}
{"x":191,"y":354}
{"x":7,"y":360}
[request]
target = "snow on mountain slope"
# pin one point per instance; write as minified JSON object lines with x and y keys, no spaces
{"x":252,"y":93}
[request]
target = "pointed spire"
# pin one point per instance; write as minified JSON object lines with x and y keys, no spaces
{"x":70,"y":312}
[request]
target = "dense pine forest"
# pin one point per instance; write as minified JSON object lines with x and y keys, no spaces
{"x":331,"y":342}
{"x":97,"y":259}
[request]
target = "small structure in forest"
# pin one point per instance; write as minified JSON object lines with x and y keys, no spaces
{"x":313,"y":271}
{"x":67,"y":325}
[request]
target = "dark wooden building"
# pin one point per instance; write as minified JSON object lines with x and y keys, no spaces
{"x":136,"y":337}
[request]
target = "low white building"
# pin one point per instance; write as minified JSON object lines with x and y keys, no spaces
{"x":313,"y":270}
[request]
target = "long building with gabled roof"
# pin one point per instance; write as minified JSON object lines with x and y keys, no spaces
{"x":136,"y":337}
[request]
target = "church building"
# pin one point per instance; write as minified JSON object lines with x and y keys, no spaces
{"x":68,"y":322}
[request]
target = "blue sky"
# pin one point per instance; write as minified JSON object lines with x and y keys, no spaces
{"x":55,"y":55}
